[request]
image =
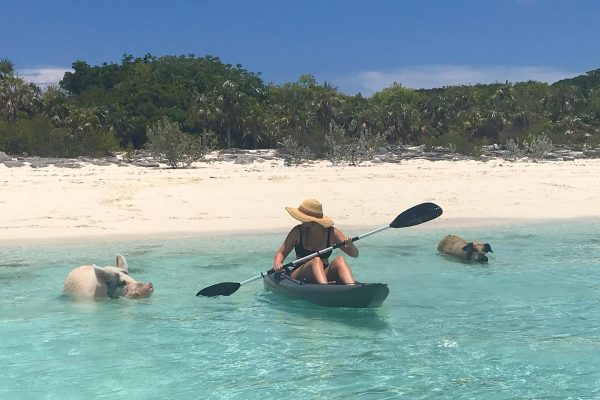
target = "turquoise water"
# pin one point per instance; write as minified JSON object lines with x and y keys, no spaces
{"x":526,"y":326}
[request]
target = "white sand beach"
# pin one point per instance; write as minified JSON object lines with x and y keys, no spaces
{"x":54,"y":204}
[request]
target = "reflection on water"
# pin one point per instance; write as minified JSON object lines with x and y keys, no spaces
{"x":366,"y":318}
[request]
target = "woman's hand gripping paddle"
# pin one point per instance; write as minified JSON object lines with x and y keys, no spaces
{"x":413,"y":216}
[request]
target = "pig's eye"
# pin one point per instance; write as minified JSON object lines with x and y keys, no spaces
{"x":122,"y":283}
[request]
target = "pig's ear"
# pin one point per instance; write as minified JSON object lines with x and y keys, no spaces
{"x":468,"y":247}
{"x":101,"y":274}
{"x":487,"y":248}
{"x":110,"y":279}
{"x":121,"y":263}
{"x":106,"y":276}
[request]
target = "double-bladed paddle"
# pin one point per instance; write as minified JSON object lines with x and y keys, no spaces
{"x":413,"y":216}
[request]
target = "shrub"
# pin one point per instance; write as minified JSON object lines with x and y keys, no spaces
{"x":166,"y":141}
{"x":537,"y":146}
{"x":293,"y":153}
{"x":39,"y":136}
{"x":461,"y":144}
{"x":352,"y":151}
{"x":31,"y":136}
{"x":514,"y":151}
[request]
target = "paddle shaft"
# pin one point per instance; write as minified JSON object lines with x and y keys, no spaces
{"x":294,"y":264}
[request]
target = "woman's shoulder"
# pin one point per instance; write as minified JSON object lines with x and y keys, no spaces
{"x":294,"y":232}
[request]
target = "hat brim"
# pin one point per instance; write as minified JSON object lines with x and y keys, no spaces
{"x":325,"y":221}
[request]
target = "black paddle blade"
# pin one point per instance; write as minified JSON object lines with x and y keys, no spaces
{"x":417,"y":215}
{"x":220,"y":289}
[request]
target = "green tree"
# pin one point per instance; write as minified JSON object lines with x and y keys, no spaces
{"x":7,"y":68}
{"x":395,"y":114}
{"x":303,"y":110}
{"x":141,"y":91}
{"x":18,"y":98}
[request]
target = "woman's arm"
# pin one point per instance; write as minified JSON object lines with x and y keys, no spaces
{"x":287,"y":246}
{"x":349,"y":247}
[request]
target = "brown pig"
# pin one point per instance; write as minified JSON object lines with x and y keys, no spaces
{"x":459,"y":247}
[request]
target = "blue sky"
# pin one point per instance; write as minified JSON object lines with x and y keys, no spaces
{"x":355,"y":45}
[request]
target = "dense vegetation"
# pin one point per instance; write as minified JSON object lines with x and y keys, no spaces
{"x":100,"y":109}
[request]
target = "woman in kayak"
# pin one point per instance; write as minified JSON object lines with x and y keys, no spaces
{"x":316,"y":233}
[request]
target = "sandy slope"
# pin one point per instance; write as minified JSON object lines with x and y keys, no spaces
{"x":61,"y":204}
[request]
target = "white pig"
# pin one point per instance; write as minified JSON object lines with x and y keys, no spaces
{"x":90,"y":282}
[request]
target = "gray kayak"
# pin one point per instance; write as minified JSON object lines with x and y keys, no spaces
{"x":359,"y":295}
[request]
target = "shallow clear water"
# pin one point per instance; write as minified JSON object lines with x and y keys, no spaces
{"x":525,"y":326}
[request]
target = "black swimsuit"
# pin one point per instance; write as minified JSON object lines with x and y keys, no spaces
{"x":302,"y":251}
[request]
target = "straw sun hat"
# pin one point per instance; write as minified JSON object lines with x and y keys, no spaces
{"x":310,"y":210}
